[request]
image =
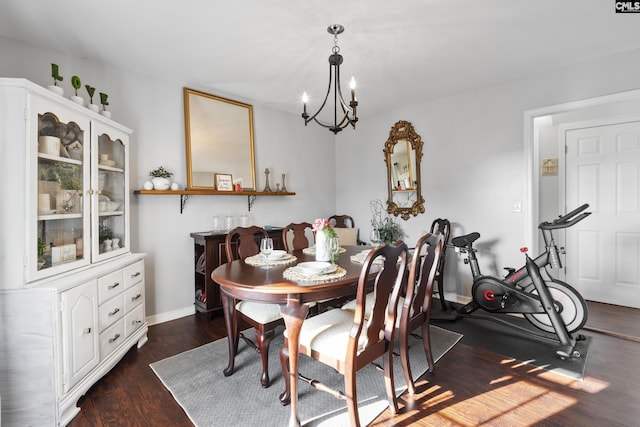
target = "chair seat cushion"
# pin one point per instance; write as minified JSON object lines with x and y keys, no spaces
{"x":347,"y":236}
{"x":328,"y":333}
{"x":260,"y":312}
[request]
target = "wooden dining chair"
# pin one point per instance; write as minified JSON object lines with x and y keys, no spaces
{"x":346,"y":341}
{"x":240,"y":243}
{"x":295,"y":235}
{"x":444,"y":227}
{"x":346,"y":229}
{"x":415,"y":307}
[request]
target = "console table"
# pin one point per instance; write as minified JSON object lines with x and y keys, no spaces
{"x":209,"y":253}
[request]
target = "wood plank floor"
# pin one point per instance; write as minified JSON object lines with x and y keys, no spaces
{"x":471,"y":386}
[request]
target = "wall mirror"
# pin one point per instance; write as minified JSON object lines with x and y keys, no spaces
{"x":219,"y":138}
{"x":402,"y":154}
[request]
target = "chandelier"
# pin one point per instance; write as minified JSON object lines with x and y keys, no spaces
{"x":341,"y":110}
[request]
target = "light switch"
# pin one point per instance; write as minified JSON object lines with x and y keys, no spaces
{"x":517,"y":206}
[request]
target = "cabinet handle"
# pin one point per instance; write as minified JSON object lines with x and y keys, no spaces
{"x":136,"y":322}
{"x":114,"y":312}
{"x":136,"y":297}
{"x":114,"y":338}
{"x":115,"y":285}
{"x":86,"y":331}
{"x":136,"y":274}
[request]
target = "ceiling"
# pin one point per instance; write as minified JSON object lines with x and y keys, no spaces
{"x":268,"y":52}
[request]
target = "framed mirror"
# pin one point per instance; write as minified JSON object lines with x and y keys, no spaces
{"x":403,"y":154}
{"x":219,"y":139}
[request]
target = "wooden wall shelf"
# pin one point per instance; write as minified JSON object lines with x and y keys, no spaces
{"x":184,"y":194}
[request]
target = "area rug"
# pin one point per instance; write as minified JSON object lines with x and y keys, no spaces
{"x":196,"y":381}
{"x":514,"y":344}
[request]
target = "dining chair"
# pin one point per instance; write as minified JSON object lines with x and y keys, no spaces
{"x":346,"y":341}
{"x":444,"y":227}
{"x":295,"y":235}
{"x":415,"y":307}
{"x":240,"y":243}
{"x":345,"y":227}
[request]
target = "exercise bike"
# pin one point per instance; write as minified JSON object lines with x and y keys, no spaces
{"x":547,"y":303}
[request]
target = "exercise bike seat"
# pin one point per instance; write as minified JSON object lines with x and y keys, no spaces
{"x":466,"y":240}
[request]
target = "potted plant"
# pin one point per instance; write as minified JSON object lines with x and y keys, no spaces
{"x":388,"y":229}
{"x":77,"y":84}
{"x":56,"y":78}
{"x":104,"y":100}
{"x":160,"y":178}
{"x":105,"y":234}
{"x":91,"y":106}
{"x":42,"y":248}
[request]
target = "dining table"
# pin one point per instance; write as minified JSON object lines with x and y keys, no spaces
{"x":278,"y":283}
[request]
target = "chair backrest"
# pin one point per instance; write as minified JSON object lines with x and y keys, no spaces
{"x":422,"y":273}
{"x":444,"y":227}
{"x":342,"y":221}
{"x":245,"y":238}
{"x":299,"y":240}
{"x":387,"y":284}
{"x":346,"y":230}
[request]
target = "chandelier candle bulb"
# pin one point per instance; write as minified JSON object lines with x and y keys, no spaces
{"x":352,"y":85}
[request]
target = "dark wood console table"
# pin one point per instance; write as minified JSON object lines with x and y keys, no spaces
{"x":209,"y":253}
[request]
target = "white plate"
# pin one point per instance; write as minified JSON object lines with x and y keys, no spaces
{"x":277,"y":254}
{"x":316,"y":267}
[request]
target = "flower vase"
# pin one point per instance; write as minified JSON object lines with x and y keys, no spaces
{"x":322,"y":247}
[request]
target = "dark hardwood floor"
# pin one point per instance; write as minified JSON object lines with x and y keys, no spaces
{"x":471,"y":386}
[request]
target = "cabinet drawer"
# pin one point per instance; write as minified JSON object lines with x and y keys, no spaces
{"x":111,"y":338}
{"x":111,"y":311}
{"x":133,"y":296}
{"x":133,"y":320}
{"x":110,"y":285}
{"x":134,"y":273}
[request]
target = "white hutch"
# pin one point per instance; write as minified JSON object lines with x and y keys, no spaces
{"x":71,"y":292}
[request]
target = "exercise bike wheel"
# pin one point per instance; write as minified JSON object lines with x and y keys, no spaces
{"x":568,"y":302}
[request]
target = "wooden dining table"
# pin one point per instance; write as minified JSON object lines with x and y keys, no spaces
{"x":241,"y":281}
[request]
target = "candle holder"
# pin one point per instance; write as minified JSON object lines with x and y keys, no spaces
{"x":267,"y":189}
{"x":284,"y":187}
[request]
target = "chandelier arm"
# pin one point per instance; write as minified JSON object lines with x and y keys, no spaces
{"x":326,"y":97}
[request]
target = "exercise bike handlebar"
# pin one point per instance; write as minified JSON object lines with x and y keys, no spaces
{"x":566,"y":220}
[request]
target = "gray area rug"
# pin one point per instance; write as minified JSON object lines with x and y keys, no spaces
{"x":196,"y":381}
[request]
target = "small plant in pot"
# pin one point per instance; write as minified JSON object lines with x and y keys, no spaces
{"x":160,"y":178}
{"x":42,"y":248}
{"x":105,"y":236}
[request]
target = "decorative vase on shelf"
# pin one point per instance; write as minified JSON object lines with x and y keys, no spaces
{"x":322,"y":248}
{"x":161,"y":183}
{"x":115,"y":243}
{"x":107,"y":245}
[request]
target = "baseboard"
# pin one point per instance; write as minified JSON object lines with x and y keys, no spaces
{"x":171,"y":315}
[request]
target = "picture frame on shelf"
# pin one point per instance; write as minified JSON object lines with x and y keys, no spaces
{"x":224,"y":182}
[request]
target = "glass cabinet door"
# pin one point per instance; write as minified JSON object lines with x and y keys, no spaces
{"x":110,"y":196}
{"x":59,"y":196}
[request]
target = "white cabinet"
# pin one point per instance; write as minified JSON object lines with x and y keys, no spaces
{"x":72,"y":292}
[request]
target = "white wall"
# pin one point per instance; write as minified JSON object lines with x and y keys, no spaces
{"x":153,"y":108}
{"x":474,"y":161}
{"x":472,"y":171}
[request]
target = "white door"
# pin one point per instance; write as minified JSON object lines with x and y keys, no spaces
{"x":603,"y":251}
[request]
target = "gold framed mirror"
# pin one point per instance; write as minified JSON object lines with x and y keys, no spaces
{"x":219,"y":140}
{"x":403,"y":154}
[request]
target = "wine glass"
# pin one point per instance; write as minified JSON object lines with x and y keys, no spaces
{"x":333,"y":244}
{"x":375,"y":236}
{"x":266,"y":247}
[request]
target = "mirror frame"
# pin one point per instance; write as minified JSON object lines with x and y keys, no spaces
{"x":403,"y":131}
{"x":240,"y":133}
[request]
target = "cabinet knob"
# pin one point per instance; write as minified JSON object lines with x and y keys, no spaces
{"x":136,"y":322}
{"x":136,"y":274}
{"x":136,"y":297}
{"x":114,"y":338}
{"x":86,"y":331}
{"x":114,"y":312}
{"x":115,"y":285}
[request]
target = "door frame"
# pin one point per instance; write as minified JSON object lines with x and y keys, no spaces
{"x":532,"y":154}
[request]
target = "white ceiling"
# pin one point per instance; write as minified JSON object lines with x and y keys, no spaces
{"x":270,"y":51}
